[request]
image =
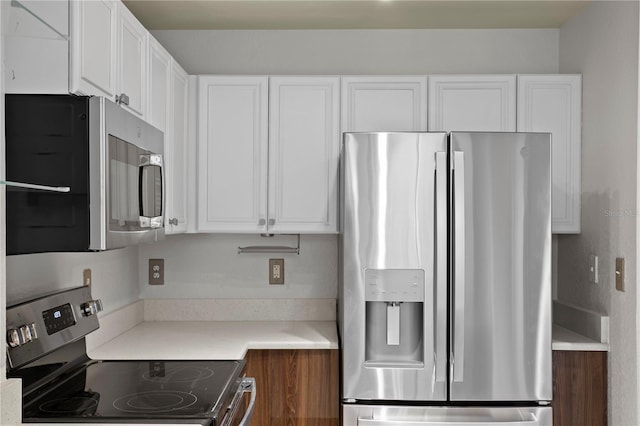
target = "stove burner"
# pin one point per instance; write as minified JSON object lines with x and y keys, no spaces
{"x":74,"y":404}
{"x":180,"y":374}
{"x":155,"y":402}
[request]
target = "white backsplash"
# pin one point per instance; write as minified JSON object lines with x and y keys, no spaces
{"x":240,"y":310}
{"x":114,"y":275}
{"x":208,"y":266}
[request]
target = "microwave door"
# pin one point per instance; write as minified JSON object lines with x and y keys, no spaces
{"x":134,"y":194}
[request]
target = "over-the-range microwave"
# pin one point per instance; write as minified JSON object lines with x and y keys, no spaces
{"x":110,"y":160}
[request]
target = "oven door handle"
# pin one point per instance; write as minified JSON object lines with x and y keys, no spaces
{"x":248,"y":384}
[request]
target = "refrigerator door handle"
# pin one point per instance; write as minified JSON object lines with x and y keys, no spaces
{"x":400,"y":422}
{"x":440,"y":311}
{"x":457,"y":330}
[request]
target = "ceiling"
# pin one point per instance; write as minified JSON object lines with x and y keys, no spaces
{"x":352,"y":14}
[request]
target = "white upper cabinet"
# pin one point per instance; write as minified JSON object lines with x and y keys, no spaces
{"x":304,"y":144}
{"x":108,"y":53}
{"x":268,"y":154}
{"x":552,"y":103}
{"x":472,"y":103}
{"x":384,"y":103}
{"x":131,"y":70}
{"x":159,"y":72}
{"x":176,"y":151}
{"x":92,"y":69}
{"x":232,"y":154}
{"x":36,"y":49}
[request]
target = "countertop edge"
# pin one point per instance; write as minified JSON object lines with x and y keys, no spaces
{"x":215,"y":339}
{"x":564,"y":339}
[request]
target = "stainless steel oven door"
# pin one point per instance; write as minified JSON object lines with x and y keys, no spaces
{"x":239,"y":412}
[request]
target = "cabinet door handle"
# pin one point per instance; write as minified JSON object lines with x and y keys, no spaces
{"x":173,"y":221}
{"x":272,"y":222}
{"x":122,"y":99}
{"x":261,"y":222}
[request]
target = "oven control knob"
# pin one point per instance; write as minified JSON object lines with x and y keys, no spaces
{"x":28,"y":333}
{"x":13,"y":338}
{"x":19,"y":336}
{"x":91,"y":307}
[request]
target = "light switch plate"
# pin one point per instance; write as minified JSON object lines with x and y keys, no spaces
{"x":620,"y":273}
{"x":593,"y":269}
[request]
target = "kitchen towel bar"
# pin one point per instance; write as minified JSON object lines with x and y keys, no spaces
{"x":270,"y":249}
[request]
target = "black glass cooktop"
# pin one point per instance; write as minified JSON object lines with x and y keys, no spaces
{"x":120,"y":390}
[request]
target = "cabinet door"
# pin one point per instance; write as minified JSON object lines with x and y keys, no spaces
{"x":384,"y":103}
{"x":472,"y":103}
{"x":232,"y":154}
{"x":177,"y":154}
{"x":295,"y":386}
{"x":303,"y":154}
{"x":36,"y":48}
{"x":158,"y":81}
{"x":579,"y":388}
{"x":92,"y":70}
{"x":552,"y":103}
{"x":132,"y":59}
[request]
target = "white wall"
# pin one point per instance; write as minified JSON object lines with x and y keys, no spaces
{"x":363,"y":51}
{"x":209,"y":266}
{"x":602,"y":44}
{"x":114,"y":275}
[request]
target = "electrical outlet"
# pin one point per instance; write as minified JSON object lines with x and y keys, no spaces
{"x":86,"y":277}
{"x":156,"y":271}
{"x":276,"y":271}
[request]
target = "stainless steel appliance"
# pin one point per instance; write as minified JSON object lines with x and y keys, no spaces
{"x":445,"y":282}
{"x":46,"y":349}
{"x":110,"y":160}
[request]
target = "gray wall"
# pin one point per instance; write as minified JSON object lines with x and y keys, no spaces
{"x":363,"y":51}
{"x":602,"y":44}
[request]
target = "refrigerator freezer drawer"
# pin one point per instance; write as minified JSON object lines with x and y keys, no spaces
{"x":381,"y":415}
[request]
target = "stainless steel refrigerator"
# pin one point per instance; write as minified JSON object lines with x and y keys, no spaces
{"x":445,"y":279}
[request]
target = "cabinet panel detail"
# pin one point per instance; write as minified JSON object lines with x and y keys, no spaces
{"x":579,"y":388}
{"x":303,"y":154}
{"x":552,"y":103}
{"x":232,"y":154}
{"x":93,"y":47}
{"x":483,"y":103}
{"x":295,"y":387}
{"x":384,"y":103}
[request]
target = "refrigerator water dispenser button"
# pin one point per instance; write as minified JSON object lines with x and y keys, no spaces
{"x":393,"y":324}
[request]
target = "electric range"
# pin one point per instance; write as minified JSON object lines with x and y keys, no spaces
{"x":61,"y":384}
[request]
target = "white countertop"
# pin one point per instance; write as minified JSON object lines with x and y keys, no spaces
{"x":567,"y":340}
{"x":232,"y":339}
{"x":215,"y":339}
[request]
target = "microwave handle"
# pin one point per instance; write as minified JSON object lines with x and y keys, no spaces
{"x":147,"y":221}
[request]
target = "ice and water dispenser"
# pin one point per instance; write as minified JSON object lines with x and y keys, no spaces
{"x":394,"y":325}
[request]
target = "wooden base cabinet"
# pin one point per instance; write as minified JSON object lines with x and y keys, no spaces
{"x":579,"y":388}
{"x":295,"y":387}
